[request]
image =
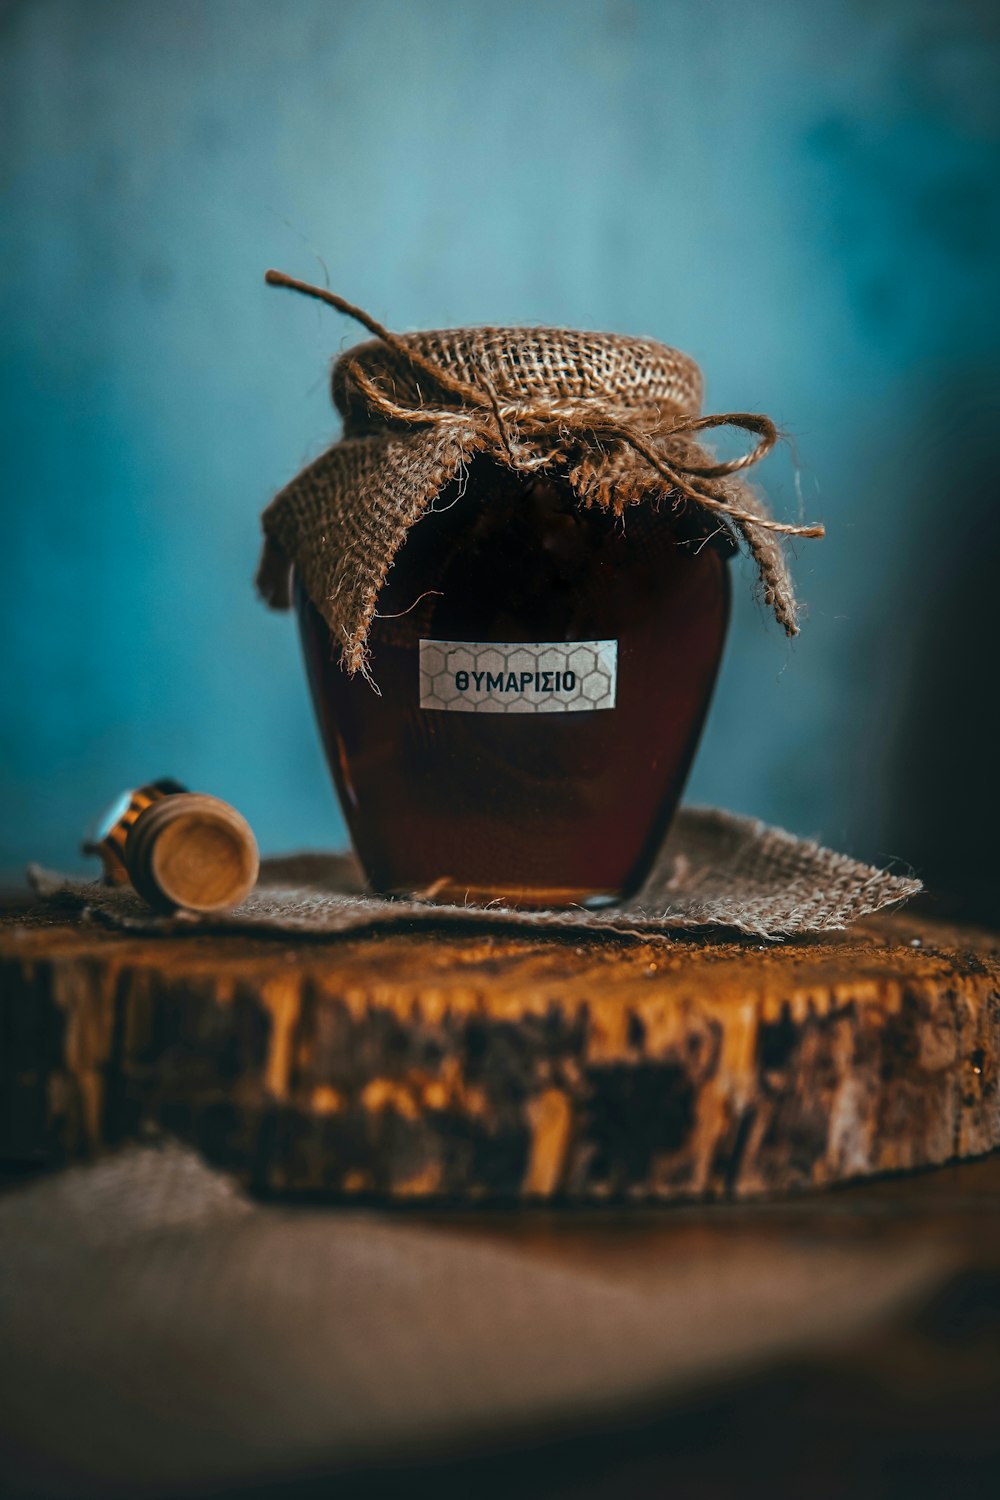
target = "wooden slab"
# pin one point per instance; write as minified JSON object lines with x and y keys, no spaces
{"x":487,"y":1068}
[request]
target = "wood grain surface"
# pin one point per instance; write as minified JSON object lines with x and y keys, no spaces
{"x":192,"y":851}
{"x":448,"y":1066}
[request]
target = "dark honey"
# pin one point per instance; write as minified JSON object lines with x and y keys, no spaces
{"x":535,"y":808}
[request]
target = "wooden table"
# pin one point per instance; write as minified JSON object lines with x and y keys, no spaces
{"x":905,"y":1406}
{"x":874,"y":1052}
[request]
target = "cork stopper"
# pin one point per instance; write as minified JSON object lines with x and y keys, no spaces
{"x":193,"y":852}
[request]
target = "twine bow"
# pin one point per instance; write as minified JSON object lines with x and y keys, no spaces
{"x":532,"y":432}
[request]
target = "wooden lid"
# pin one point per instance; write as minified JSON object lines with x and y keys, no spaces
{"x":192,"y":851}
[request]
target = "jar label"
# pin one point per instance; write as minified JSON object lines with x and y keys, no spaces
{"x":518,"y":677}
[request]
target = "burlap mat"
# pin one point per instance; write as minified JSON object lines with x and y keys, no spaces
{"x":716,"y":870}
{"x":161,"y":1333}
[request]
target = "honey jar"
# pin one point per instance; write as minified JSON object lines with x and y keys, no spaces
{"x":512,"y":586}
{"x":538,"y":709}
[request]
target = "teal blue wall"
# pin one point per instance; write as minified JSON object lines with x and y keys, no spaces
{"x":802,"y":195}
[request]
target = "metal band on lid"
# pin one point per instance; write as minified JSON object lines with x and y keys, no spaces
{"x":113,"y":828}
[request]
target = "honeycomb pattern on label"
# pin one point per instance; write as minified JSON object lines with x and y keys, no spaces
{"x":518,"y":677}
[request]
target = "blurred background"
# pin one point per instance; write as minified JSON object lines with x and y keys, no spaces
{"x":803,"y":196}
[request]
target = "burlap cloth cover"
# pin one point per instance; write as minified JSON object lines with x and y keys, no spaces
{"x":616,"y":417}
{"x":160,"y":1333}
{"x":715,"y":870}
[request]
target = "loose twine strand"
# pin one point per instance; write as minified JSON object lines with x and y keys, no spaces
{"x":529,"y":430}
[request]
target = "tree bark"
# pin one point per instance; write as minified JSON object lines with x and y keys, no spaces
{"x":494,"y":1068}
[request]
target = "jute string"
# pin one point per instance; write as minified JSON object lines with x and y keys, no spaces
{"x":532,"y":431}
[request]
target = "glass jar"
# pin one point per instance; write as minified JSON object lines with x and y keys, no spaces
{"x":542,"y":673}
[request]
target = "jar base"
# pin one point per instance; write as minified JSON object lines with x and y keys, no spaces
{"x":529,"y":898}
